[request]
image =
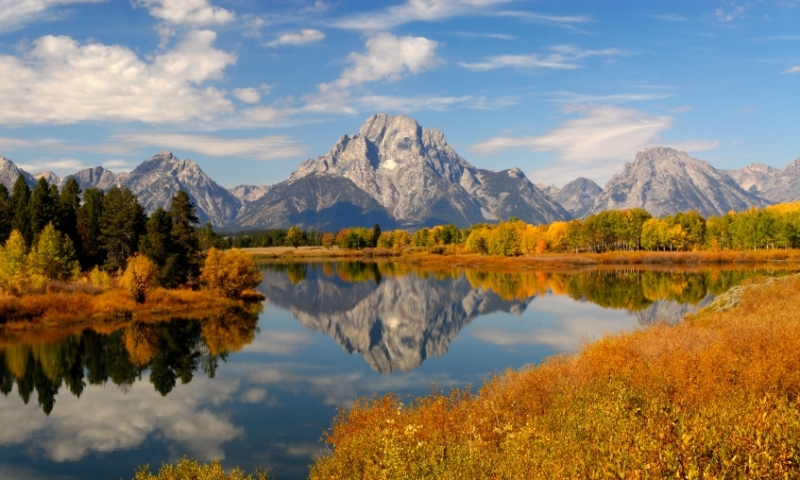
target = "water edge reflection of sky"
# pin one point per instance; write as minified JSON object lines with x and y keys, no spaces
{"x":327,"y":335}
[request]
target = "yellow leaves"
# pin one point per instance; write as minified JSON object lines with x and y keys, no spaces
{"x":189,"y":469}
{"x":230,"y":272}
{"x":139,"y":277}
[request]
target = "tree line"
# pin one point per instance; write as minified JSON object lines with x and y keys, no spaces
{"x":54,"y":234}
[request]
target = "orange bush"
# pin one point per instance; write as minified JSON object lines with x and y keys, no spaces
{"x":230,"y":272}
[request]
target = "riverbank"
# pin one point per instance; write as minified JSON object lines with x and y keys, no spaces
{"x":716,"y":396}
{"x":455,"y":257}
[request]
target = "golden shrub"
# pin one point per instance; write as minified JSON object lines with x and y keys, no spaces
{"x":187,"y":469}
{"x":230,"y":272}
{"x":139,"y":277}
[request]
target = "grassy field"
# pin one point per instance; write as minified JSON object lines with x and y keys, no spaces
{"x":714,"y":397}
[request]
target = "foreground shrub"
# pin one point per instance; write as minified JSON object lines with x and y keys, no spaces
{"x":714,"y":397}
{"x":187,"y":469}
{"x":230,"y":272}
{"x":139,"y":277}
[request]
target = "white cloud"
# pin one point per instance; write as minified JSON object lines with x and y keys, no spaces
{"x":795,"y":69}
{"x":596,"y":143}
{"x":254,"y":395}
{"x":573,"y":98}
{"x":278,"y":343}
{"x":563,"y":20}
{"x":64,"y":164}
{"x":670,"y":17}
{"x":247,"y":95}
{"x":388,"y":57}
{"x":416,"y":10}
{"x":186,"y":12}
{"x":61,"y":81}
{"x":102,"y":420}
{"x":562,"y":57}
{"x":730,"y":15}
{"x":14,"y":14}
{"x":410,"y":104}
{"x":271,"y":147}
{"x":305,"y":36}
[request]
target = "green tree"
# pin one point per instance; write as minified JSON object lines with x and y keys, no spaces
{"x":20,"y":198}
{"x":42,"y":206}
{"x":184,"y":237}
{"x":14,"y":263}
{"x":208,"y":238}
{"x":69,"y":202}
{"x":6,"y":214}
{"x":89,"y":228}
{"x":376,"y":234}
{"x":54,"y":256}
{"x":123,"y":221}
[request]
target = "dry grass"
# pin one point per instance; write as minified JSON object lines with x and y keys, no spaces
{"x":714,"y":397}
{"x":66,"y":307}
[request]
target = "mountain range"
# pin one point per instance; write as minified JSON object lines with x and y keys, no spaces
{"x":398,"y":174}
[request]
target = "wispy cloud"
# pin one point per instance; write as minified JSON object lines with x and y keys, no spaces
{"x":599,"y":141}
{"x":545,"y":18}
{"x":499,"y":36}
{"x":795,"y":69}
{"x":271,"y":147}
{"x":562,"y":57}
{"x":669,"y":17}
{"x":729,"y":15}
{"x":573,"y":98}
{"x":415,"y":10}
{"x":15,"y":14}
{"x":303,"y":37}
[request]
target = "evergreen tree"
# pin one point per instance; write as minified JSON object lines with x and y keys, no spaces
{"x":157,"y":244}
{"x":123,"y":221}
{"x":184,"y":238}
{"x":42,"y":206}
{"x":89,"y":221}
{"x":69,"y":202}
{"x":6,"y":214}
{"x":20,"y":199}
{"x":207,"y":238}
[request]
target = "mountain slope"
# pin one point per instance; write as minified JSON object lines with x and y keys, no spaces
{"x":754,"y":178}
{"x":785,"y":186}
{"x":415,"y":176}
{"x":664,"y":181}
{"x":96,"y":177}
{"x":578,"y":196}
{"x":9,"y":173}
{"x":159,"y":178}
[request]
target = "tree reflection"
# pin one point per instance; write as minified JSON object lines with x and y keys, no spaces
{"x":170,"y":351}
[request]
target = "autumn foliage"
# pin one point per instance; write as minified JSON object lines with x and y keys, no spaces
{"x":230,"y":272}
{"x":714,"y":397}
{"x":139,"y":277}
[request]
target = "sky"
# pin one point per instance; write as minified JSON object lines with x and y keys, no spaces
{"x":248,"y":89}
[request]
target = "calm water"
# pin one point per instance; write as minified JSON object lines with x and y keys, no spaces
{"x":259,"y":387}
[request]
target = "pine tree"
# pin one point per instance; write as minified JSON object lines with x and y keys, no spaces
{"x":89,"y":221}
{"x":123,"y":221}
{"x":69,"y":201}
{"x":157,"y":244}
{"x":20,"y":198}
{"x":184,"y":238}
{"x":6,"y":214}
{"x":54,"y":256}
{"x":42,"y":206}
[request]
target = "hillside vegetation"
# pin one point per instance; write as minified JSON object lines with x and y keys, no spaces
{"x":714,"y":397}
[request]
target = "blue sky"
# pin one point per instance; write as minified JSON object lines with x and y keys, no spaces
{"x":249,"y":89}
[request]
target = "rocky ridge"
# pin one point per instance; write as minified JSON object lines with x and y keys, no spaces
{"x":578,"y":196}
{"x":663,"y":181}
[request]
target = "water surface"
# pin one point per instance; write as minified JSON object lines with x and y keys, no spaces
{"x":258,"y":386}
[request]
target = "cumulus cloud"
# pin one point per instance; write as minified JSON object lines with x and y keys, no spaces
{"x":305,"y":36}
{"x":415,"y":10}
{"x":14,"y":14}
{"x":62,"y":81}
{"x":186,"y":12}
{"x":599,"y":141}
{"x":271,"y":147}
{"x":795,"y":69}
{"x":562,"y":57}
{"x":247,"y":95}
{"x":388,"y":58}
{"x":102,"y":420}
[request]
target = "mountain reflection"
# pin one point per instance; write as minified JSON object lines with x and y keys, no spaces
{"x":170,"y":351}
{"x":397,"y":316}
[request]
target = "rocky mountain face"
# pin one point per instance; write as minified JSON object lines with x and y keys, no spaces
{"x":96,"y":177}
{"x":395,"y":323}
{"x":51,"y":178}
{"x":754,"y":178}
{"x":785,"y":186}
{"x":249,"y":193}
{"x":663,"y":181}
{"x":578,"y":196}
{"x":10,"y":172}
{"x":159,"y":178}
{"x":416,"y":178}
{"x":549,"y":190}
